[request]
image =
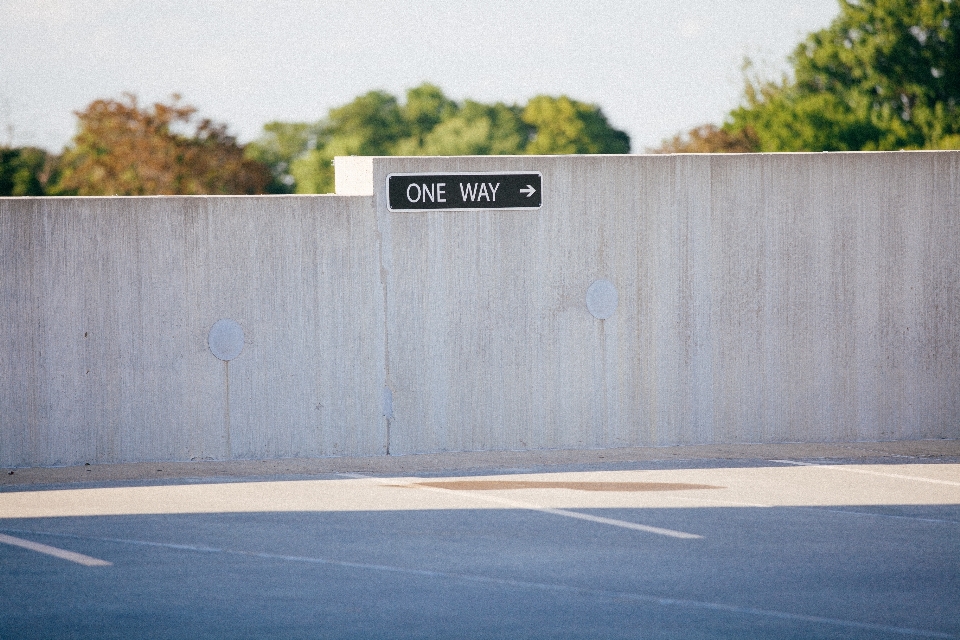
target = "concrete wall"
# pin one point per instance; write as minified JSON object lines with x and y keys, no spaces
{"x":761,"y":298}
{"x":107,"y":305}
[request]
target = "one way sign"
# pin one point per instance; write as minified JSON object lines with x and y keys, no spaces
{"x":460,"y":191}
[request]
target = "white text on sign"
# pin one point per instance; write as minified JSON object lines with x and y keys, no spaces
{"x":437,"y":192}
{"x":477,"y":191}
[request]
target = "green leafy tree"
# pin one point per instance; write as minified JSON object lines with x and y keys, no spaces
{"x":123,"y":149}
{"x":425,"y":109}
{"x":313,"y":172}
{"x":566,"y":126}
{"x":787,"y":119}
{"x":281,"y":144}
{"x":25,"y":171}
{"x":884,"y":75}
{"x":477,"y":129}
{"x":370,"y":125}
{"x":430,"y":123}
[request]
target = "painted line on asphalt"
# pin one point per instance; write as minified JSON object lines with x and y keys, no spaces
{"x":837,"y":467}
{"x":671,"y":533}
{"x":526,"y":584}
{"x":72,"y":556}
{"x":412,"y":484}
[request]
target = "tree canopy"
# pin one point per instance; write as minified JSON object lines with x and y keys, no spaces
{"x":429,"y":123}
{"x":884,"y":75}
{"x":123,"y":149}
{"x":24,"y":171}
{"x":709,"y":138}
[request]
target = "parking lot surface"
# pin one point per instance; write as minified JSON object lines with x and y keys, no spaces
{"x":731,"y":548}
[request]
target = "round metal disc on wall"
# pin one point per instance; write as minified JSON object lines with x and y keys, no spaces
{"x":602,"y":299}
{"x":226,"y":339}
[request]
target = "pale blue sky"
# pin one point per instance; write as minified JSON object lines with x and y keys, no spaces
{"x":655,"y":67}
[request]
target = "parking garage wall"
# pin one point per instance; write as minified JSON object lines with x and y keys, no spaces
{"x":650,"y":300}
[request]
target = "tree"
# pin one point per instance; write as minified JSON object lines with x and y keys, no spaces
{"x":25,"y":171}
{"x":121,"y":149}
{"x":425,"y":109}
{"x":709,"y":138}
{"x":370,"y":125}
{"x":430,"y":123}
{"x":784,"y":118}
{"x":278,"y":147}
{"x":313,"y":172}
{"x":566,"y":126}
{"x":884,"y":75}
{"x":477,"y":130}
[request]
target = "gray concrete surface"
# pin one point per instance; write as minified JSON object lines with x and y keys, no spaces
{"x":760,"y":298}
{"x":479,"y":461}
{"x":107,"y":308}
{"x":714,"y":548}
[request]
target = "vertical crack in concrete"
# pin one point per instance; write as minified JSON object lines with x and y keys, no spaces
{"x":605,"y":382}
{"x":383,"y":237}
{"x":226,"y":407}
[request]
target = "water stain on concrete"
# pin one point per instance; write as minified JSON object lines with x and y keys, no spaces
{"x":499,"y":485}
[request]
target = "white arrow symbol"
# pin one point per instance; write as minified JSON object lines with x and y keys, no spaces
{"x":529,"y":191}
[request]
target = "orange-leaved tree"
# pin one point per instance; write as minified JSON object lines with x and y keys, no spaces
{"x":123,"y":149}
{"x":709,"y":138}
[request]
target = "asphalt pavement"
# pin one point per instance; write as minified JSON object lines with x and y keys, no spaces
{"x":732,"y":548}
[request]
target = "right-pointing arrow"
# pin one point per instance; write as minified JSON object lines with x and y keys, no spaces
{"x":528,"y":191}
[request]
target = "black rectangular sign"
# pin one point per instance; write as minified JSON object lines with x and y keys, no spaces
{"x":460,"y":191}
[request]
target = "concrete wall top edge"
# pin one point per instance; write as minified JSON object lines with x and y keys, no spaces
{"x":357,"y":175}
{"x":343,"y":161}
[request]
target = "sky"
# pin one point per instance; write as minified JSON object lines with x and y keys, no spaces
{"x":655,"y":67}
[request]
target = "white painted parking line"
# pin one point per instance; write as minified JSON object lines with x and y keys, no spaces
{"x":542,"y":586}
{"x":72,"y":556}
{"x":413,"y":483}
{"x":617,"y":523}
{"x":839,"y":467}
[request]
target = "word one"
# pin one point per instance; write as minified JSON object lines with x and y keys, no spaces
{"x":464,"y":191}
